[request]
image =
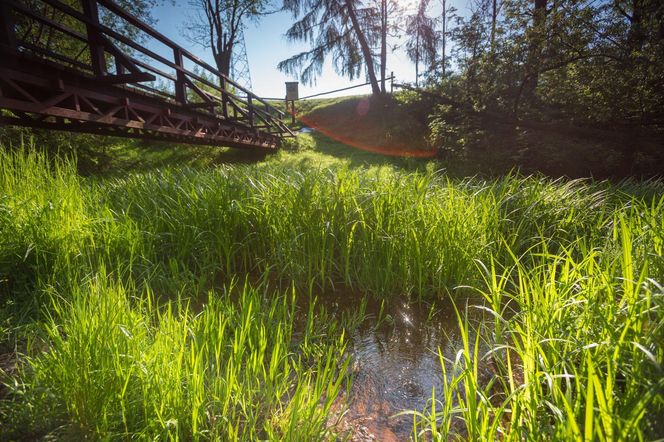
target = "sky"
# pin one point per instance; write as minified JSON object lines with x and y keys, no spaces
{"x":267,"y":45}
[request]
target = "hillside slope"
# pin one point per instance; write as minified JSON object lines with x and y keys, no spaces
{"x":386,"y":125}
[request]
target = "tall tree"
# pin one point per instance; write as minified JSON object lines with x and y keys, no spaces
{"x":421,"y":43}
{"x":443,"y":35}
{"x":217,"y":24}
{"x":537,"y":40}
{"x":360,"y":32}
{"x":342,"y":29}
{"x":391,"y":11}
{"x":447,"y":14}
{"x":494,"y":20}
{"x":536,"y":37}
{"x":383,"y":44}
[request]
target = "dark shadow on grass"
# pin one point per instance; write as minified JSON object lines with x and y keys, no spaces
{"x":132,"y":156}
{"x":114,"y":156}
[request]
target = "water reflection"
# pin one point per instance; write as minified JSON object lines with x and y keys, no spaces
{"x":396,"y":366}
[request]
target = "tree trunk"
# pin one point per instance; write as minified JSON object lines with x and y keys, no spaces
{"x":383,"y":45}
{"x":533,"y":60}
{"x":494,"y":16}
{"x":536,"y":43}
{"x":444,"y":33}
{"x":417,"y":61}
{"x":222,"y":53}
{"x":636,"y":35}
{"x":223,"y":61}
{"x":659,"y":15}
{"x":364,"y":46}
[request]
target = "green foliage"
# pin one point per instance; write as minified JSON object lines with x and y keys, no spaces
{"x":574,"y":73}
{"x":102,"y":155}
{"x":421,"y":43}
{"x":394,"y":122}
{"x":50,"y":38}
{"x":346,"y":31}
{"x":576,"y":344}
{"x":154,"y":312}
{"x":298,"y":143}
{"x":584,"y":62}
{"x":146,"y":348}
{"x":122,"y":364}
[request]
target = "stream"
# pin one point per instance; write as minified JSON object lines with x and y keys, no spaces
{"x":396,"y":365}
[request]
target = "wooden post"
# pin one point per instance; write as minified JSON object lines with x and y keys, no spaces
{"x":392,"y":82}
{"x":286,"y":102}
{"x":292,"y":94}
{"x":119,"y":68}
{"x":7,"y":27}
{"x":251,"y":110}
{"x":224,"y":97}
{"x":180,"y":82}
{"x":98,"y":61}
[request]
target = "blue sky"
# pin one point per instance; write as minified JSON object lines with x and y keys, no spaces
{"x":267,"y":46}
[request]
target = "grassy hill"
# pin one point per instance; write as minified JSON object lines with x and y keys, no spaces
{"x":385,"y":125}
{"x":468,"y":142}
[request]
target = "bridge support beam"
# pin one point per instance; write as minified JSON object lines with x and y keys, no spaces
{"x":91,"y":10}
{"x":181,"y":79}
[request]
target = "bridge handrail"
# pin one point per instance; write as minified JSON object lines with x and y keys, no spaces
{"x":113,"y":7}
{"x":181,"y":73}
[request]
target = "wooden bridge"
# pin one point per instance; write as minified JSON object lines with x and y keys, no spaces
{"x":89,"y":69}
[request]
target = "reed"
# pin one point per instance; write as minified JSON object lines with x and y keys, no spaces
{"x":175,"y":303}
{"x":576,"y":350}
{"x":121,"y":364}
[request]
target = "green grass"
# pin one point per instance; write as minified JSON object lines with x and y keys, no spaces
{"x":315,"y":150}
{"x":172,"y":303}
{"x":122,"y":364}
{"x":384,"y":122}
{"x":114,"y":156}
{"x":576,"y":345}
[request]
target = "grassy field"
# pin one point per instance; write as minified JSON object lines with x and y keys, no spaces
{"x":179,"y":302}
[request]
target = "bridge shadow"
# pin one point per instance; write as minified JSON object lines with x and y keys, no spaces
{"x":114,"y":156}
{"x":142,"y":156}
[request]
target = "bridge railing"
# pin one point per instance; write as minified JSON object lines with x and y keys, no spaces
{"x":84,"y":40}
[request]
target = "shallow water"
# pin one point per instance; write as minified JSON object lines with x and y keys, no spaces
{"x":395,"y":360}
{"x":396,"y":365}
